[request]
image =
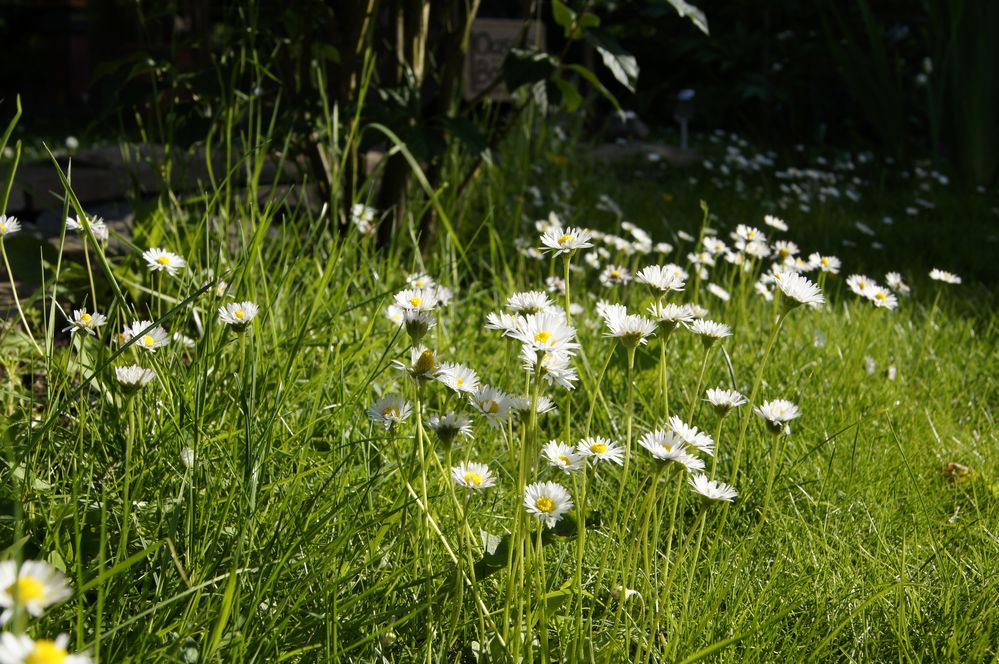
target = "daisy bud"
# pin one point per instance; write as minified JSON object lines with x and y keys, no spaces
{"x":418,"y":323}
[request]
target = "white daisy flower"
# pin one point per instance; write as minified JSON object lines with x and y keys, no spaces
{"x":560,"y":240}
{"x":829,"y":264}
{"x":158,"y":259}
{"x":389,"y":411}
{"x":238,"y":315}
{"x":601,"y":448}
{"x":798,"y":290}
{"x":546,"y":332}
{"x":615,"y":275}
{"x":697,"y":311}
{"x":861,"y":284}
{"x":493,"y":403}
{"x":692,"y":435}
{"x":133,"y":378}
{"x":777,"y":413}
{"x":667,"y":446}
{"x":710,"y":331}
{"x":670,"y":316}
{"x":660,"y":279}
{"x":420,"y":280}
{"x":422,"y":364}
{"x":22,"y":649}
{"x":504,"y":322}
{"x":632,"y":329}
{"x":444,"y":295}
{"x":764,"y":290}
{"x":522,"y":404}
{"x":85,"y":322}
{"x":775,"y":222}
{"x":562,"y":456}
{"x":785,"y":249}
{"x":555,"y":285}
{"x":450,"y":426}
{"x":944,"y":276}
{"x":664,"y":248}
{"x":547,"y":501}
{"x":34,"y":586}
{"x":882,"y":298}
{"x":8,"y":225}
{"x":529,"y":302}
{"x":685,"y":236}
{"x":395,"y":313}
{"x":97,"y":227}
{"x":416,"y":299}
{"x":714,"y":246}
{"x":187,"y":457}
{"x":703,"y":258}
{"x":749,"y":234}
{"x":363,"y":217}
{"x":756,"y":249}
{"x":473,"y":476}
{"x":895,"y":282}
{"x":712,"y":490}
{"x":719,"y":292}
{"x":725,"y":400}
{"x":418,"y":323}
{"x":458,"y":377}
{"x":556,"y":367}
{"x":149,"y":339}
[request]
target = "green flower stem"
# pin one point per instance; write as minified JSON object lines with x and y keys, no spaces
{"x":425,"y":513}
{"x":663,"y":374}
{"x":122,"y":551}
{"x":714,"y":459}
{"x":779,"y":442}
{"x":17,"y":301}
{"x":697,"y":386}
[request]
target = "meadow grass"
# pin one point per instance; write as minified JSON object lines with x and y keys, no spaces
{"x":243,"y":507}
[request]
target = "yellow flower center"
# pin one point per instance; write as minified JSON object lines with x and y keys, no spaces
{"x":425,"y":363}
{"x":880,"y":296}
{"x":473,"y":478}
{"x":419,"y":283}
{"x":542,"y":337}
{"x":490,"y":406}
{"x":85,"y":317}
{"x":163,"y":260}
{"x":565,"y":460}
{"x":46,"y":652}
{"x":415,"y":301}
{"x":598,"y":448}
{"x":785,"y":252}
{"x":824,"y":261}
{"x":751,"y":234}
{"x":544,"y":504}
{"x":238,"y":313}
{"x":28,"y":589}
{"x":616,"y":274}
{"x":148,"y":341}
{"x":458,"y":381}
{"x":3,"y":228}
{"x":565,"y":238}
{"x":390,"y":412}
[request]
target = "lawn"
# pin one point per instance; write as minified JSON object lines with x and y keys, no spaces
{"x":282,"y":487}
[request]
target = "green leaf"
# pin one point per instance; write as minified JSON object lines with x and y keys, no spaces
{"x":696,"y":16}
{"x":622,"y":64}
{"x":563,"y":15}
{"x":592,"y":79}
{"x":526,"y":67}
{"x":570,"y":95}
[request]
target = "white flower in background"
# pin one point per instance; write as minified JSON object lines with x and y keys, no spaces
{"x":556,"y":367}
{"x":493,"y":403}
{"x":669,"y":316}
{"x":944,"y":276}
{"x":363,"y":217}
{"x":702,"y":258}
{"x":660,"y":279}
{"x":133,"y":378}
{"x":882,"y":298}
{"x":714,"y":245}
{"x":22,"y":649}
{"x":756,"y":249}
{"x":719,"y":292}
{"x":667,"y":446}
{"x":416,"y":299}
{"x":861,"y":284}
{"x":895,"y":282}
{"x":748,"y":234}
{"x":8,"y":226}
{"x":183,"y":340}
{"x":566,"y":240}
{"x":458,"y":377}
{"x":148,"y":339}
{"x":777,"y":413}
{"x":764,"y":290}
{"x":473,"y":476}
{"x":546,"y":332}
{"x":632,"y":329}
{"x":422,"y":364}
{"x":709,"y":331}
{"x":697,"y":311}
{"x":829,"y":264}
{"x":664,"y":248}
{"x":547,"y":501}
{"x":798,"y":290}
{"x":221,"y":289}
{"x":35,"y":586}
{"x":85,"y":322}
{"x":395,"y":313}
{"x":529,"y":302}
{"x":187,"y":457}
{"x":785,"y":249}
{"x":725,"y":400}
{"x":522,"y":404}
{"x":615,"y":275}
{"x":389,"y":411}
{"x":97,"y":227}
{"x":712,"y":490}
{"x":601,"y":448}
{"x":692,"y":435}
{"x":238,"y":315}
{"x":450,"y":426}
{"x":162,"y":260}
{"x":555,"y":285}
{"x":775,"y":222}
{"x":685,"y":236}
{"x":562,"y":456}
{"x":444,"y":295}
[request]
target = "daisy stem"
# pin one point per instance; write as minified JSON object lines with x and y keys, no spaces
{"x":697,"y":387}
{"x":90,"y":274}
{"x":777,"y":453}
{"x":579,"y":488}
{"x":627,"y":441}
{"x":17,"y":301}
{"x":669,"y":540}
{"x":542,"y":594}
{"x":565,"y":264}
{"x":127,"y":487}
{"x":693,"y":568}
{"x":714,"y":459}
{"x":663,"y":375}
{"x":752,"y":398}
{"x":425,"y":530}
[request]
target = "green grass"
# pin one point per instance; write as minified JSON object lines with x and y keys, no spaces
{"x":297,"y":535}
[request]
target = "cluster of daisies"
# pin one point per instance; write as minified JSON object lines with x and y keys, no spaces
{"x":144,"y":335}
{"x":27,"y":589}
